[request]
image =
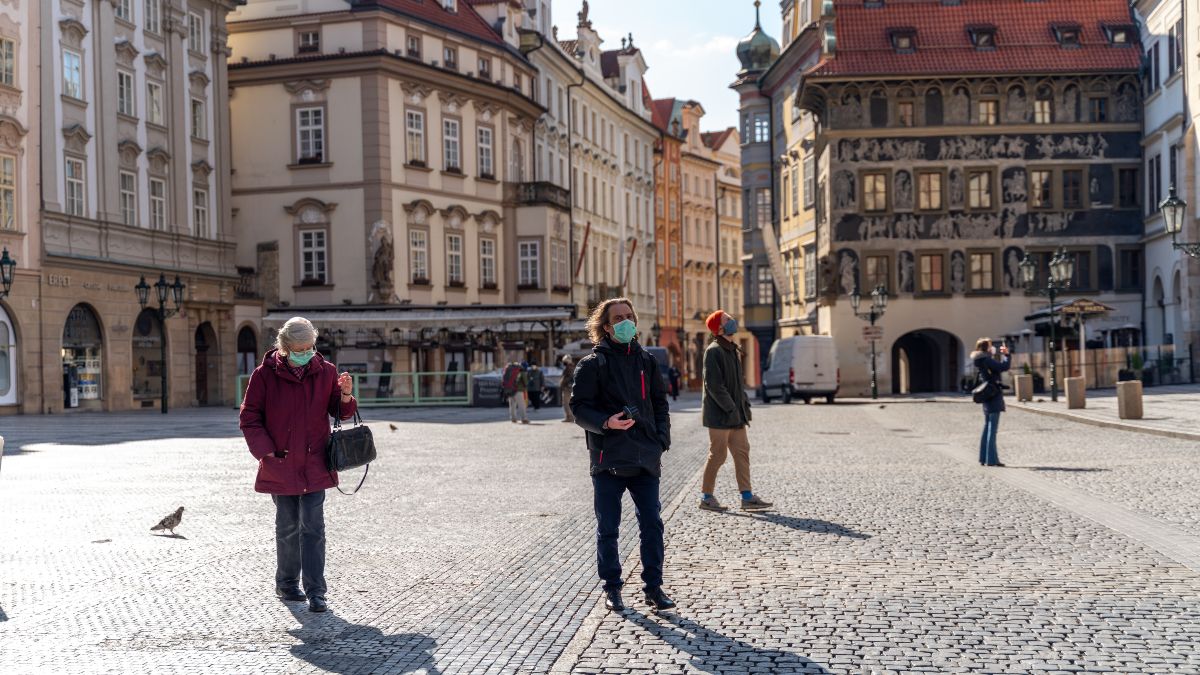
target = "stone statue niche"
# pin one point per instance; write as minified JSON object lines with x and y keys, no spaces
{"x":383,"y":260}
{"x":907,"y":268}
{"x":958,"y":272}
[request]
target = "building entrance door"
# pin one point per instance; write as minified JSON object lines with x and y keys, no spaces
{"x":925,"y":361}
{"x":208,"y":377}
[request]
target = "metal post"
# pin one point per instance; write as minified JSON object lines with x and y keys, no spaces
{"x":874,"y":381}
{"x":1053,"y":355}
{"x":162,"y":348}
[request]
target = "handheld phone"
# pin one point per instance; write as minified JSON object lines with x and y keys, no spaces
{"x":631,"y":412}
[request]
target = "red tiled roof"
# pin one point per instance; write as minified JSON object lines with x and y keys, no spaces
{"x":660,"y":113}
{"x":569,"y":46}
{"x":1025,"y":41}
{"x":465,"y":21}
{"x":609,"y":66}
{"x":475,"y":3}
{"x":715,"y":139}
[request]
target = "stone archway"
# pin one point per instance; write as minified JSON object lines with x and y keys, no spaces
{"x":208,"y":365}
{"x":925,"y":361}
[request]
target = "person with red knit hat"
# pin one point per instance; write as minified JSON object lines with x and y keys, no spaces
{"x":726,"y":414}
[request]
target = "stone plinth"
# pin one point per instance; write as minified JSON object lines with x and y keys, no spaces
{"x":1076,"y":393}
{"x":1129,"y":400}
{"x":1023,"y":387}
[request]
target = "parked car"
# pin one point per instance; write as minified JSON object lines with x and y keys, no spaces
{"x":487,"y":387}
{"x":663,"y":357}
{"x":802,"y":366}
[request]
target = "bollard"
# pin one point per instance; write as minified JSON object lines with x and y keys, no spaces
{"x":1023,"y":387}
{"x":1076,"y":393}
{"x":1129,"y":400}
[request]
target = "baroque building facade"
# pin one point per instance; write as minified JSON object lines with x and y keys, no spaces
{"x":668,"y":230}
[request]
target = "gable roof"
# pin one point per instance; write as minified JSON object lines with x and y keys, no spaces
{"x":1025,"y":38}
{"x":609,"y":64}
{"x":715,"y":139}
{"x":661,"y":112}
{"x":465,"y":21}
{"x":569,"y":46}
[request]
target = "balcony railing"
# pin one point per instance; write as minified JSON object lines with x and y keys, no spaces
{"x":541,"y":192}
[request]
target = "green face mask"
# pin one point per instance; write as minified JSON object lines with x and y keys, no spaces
{"x":625,"y":331}
{"x":301,"y":358}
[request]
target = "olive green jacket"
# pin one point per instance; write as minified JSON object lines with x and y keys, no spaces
{"x":725,"y":403}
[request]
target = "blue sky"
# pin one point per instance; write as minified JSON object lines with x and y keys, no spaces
{"x":688,"y":44}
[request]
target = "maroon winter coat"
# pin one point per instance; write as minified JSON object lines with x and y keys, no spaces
{"x":281,"y":412}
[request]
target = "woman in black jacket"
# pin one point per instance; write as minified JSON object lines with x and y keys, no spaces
{"x":989,"y":370}
{"x":620,"y":401}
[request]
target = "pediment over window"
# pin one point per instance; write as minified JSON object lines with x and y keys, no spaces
{"x":309,"y":210}
{"x":199,"y":79}
{"x":156,"y":63}
{"x":454,"y":217}
{"x":76,"y":137}
{"x":126,"y":52}
{"x":201,"y":170}
{"x":11,"y":133}
{"x":307,"y":91}
{"x":159,"y":158}
{"x":73,"y":31}
{"x":129,"y":151}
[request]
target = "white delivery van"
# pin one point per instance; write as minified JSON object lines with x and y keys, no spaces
{"x":801,"y":366}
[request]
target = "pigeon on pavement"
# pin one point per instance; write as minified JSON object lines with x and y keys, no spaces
{"x":392,"y":427}
{"x":170,"y":522}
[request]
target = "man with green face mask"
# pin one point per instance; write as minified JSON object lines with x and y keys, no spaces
{"x":620,"y":401}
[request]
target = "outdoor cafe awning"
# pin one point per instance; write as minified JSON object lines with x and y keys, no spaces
{"x":1075,"y":309}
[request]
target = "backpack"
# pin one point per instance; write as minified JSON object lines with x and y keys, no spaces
{"x":509,"y":383}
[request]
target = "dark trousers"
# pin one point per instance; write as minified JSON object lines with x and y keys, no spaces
{"x":300,"y":541}
{"x":608,"y":491}
{"x":987,"y":442}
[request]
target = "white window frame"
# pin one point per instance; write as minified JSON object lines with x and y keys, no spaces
{"x":418,"y":255}
{"x":487,"y":261}
{"x":316,"y":249}
{"x":158,"y":204}
{"x":75,"y":177}
{"x":72,"y":72}
{"x":123,"y":10}
{"x":154,"y":103}
{"x":452,"y":144}
{"x":200,"y":221}
{"x":310,"y":135}
{"x":414,"y":135}
{"x":487,"y":162}
{"x":455,"y":274}
{"x":8,"y":62}
{"x":126,"y":93}
{"x":127,"y":186}
{"x":195,"y":32}
{"x":153,"y":16}
{"x":308,"y":42}
{"x":529,"y":262}
{"x":199,"y":119}
{"x":8,"y":192}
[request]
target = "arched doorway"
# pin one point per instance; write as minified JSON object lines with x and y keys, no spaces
{"x":8,"y":360}
{"x":925,"y":361}
{"x":247,"y":346}
{"x":208,"y":361}
{"x":147,"y":358}
{"x":82,"y":359}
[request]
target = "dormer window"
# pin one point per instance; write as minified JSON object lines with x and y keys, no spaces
{"x":1067,"y":35}
{"x":450,"y":5}
{"x":904,"y":40}
{"x":983,"y":37}
{"x":1119,"y":36}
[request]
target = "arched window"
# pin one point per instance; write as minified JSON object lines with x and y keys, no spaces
{"x":933,"y":107}
{"x":1043,"y":105}
{"x":82,"y":344}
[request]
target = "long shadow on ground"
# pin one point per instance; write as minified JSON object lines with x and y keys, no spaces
{"x":712,"y":652}
{"x":337,"y":646}
{"x":802,"y":524}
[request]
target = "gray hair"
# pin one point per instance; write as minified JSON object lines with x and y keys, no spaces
{"x":295,"y":331}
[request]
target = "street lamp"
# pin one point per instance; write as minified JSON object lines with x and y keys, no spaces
{"x":161,"y":288}
{"x":879,"y":299}
{"x":1173,"y":209}
{"x":1062,"y":270}
{"x":7,"y":267}
{"x":655,"y":332}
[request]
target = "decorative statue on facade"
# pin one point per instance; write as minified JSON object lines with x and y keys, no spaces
{"x":956,"y":187}
{"x":583,"y":15}
{"x":843,"y":190}
{"x":848,"y":269}
{"x":1012,"y":269}
{"x":958,"y":272}
{"x":1125,"y":108}
{"x":959,"y":109}
{"x":904,"y":191}
{"x":1014,"y":187}
{"x":1018,"y":108}
{"x":383,"y":262}
{"x":906,"y":271}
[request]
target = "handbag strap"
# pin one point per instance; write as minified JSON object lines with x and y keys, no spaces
{"x":360,"y":483}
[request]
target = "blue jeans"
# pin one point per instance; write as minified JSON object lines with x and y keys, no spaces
{"x":300,"y":541}
{"x":987,"y":444}
{"x":608,"y":491}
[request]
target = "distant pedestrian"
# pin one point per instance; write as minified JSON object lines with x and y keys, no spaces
{"x":620,"y":401}
{"x":989,"y":369}
{"x":537,"y":383}
{"x":565,"y":384}
{"x":673,"y":376}
{"x":513,"y":385}
{"x":285,"y":419}
{"x":725,"y":410}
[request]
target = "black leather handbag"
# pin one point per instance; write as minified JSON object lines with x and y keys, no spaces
{"x":350,"y":448}
{"x":985,"y":391}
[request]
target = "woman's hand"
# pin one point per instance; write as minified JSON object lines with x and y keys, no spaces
{"x":347,"y":384}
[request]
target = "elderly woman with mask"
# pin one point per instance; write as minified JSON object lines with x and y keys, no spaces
{"x":285,"y":419}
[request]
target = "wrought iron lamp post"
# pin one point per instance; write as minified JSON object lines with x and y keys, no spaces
{"x":8,"y":267}
{"x":879,"y":299}
{"x":1173,"y":209}
{"x":1062,"y":270}
{"x":161,"y":288}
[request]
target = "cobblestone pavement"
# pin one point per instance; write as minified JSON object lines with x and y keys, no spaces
{"x":1170,"y":411}
{"x":470,"y":550}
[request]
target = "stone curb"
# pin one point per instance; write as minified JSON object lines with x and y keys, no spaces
{"x":1123,"y":426}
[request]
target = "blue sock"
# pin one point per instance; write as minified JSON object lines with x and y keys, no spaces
{"x":747,"y":494}
{"x":706,"y":495}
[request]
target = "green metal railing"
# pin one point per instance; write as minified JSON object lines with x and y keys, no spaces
{"x":390,"y":390}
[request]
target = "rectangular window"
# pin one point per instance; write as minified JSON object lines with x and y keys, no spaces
{"x":126,"y":101}
{"x":1042,"y":111}
{"x":929,"y":191}
{"x":796,"y":190}
{"x":810,"y":180}
{"x":787,"y":188}
{"x":931,"y":273}
{"x":979,"y":189}
{"x":762,"y":207}
{"x":904,"y":114}
{"x":8,"y":192}
{"x":158,"y":204}
{"x":1172,"y":42}
{"x":451,"y":149}
{"x":123,"y":10}
{"x":454,"y":259}
{"x":310,"y":135}
{"x":762,"y":128}
{"x":1040,"y":188}
{"x":199,"y":120}
{"x":766,"y":286}
{"x":195,"y":32}
{"x":313,"y":256}
{"x":72,"y":74}
{"x":154,"y":16}
{"x":1072,"y":189}
{"x":561,"y":264}
{"x":878,"y":272}
{"x":129,"y":198}
{"x":309,"y":42}
{"x":487,"y":262}
{"x":529,"y":264}
{"x":414,"y":135}
{"x":450,"y":58}
{"x":418,"y":256}
{"x":1130,"y":272}
{"x":75,"y":187}
{"x":1127,"y":188}
{"x":1172,"y":166}
{"x":485,"y":69}
{"x":154,"y":103}
{"x":1082,"y":280}
{"x":200,"y":223}
{"x":1179,"y":44}
{"x":982,"y":276}
{"x":875,"y":192}
{"x":8,"y":62}
{"x":413,"y":46}
{"x":989,"y":112}
{"x":486,"y":170}
{"x":810,"y":272}
{"x":1098,"y":109}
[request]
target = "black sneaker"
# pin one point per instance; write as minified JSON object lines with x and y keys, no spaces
{"x":613,"y":601}
{"x":290,"y":593}
{"x":658,"y":600}
{"x":317,"y":604}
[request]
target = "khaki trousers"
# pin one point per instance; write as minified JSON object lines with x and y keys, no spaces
{"x":720,"y":443}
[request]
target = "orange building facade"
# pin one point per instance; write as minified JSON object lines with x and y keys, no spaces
{"x":668,"y":235}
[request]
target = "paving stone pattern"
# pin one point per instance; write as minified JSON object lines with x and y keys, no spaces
{"x":471,"y":551}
